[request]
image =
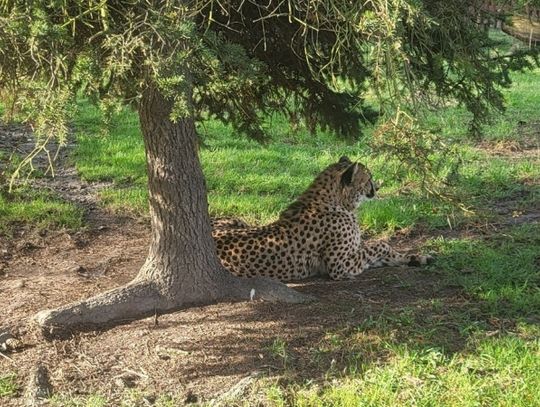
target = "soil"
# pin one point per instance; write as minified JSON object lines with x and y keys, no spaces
{"x":200,"y":353}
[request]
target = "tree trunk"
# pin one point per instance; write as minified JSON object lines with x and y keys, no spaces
{"x":182,"y":268}
{"x":181,"y":258}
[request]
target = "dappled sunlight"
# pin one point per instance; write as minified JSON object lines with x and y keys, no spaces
{"x":501,"y":270}
{"x":405,"y":88}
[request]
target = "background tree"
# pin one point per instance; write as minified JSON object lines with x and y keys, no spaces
{"x":177,"y":62}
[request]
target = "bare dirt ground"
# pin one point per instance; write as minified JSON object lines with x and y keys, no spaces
{"x":199,"y":352}
{"x":196,"y":354}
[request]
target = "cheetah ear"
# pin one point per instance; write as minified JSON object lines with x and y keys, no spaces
{"x":348,"y":175}
{"x":344,"y":159}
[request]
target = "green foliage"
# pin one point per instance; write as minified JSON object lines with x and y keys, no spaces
{"x":236,"y":60}
{"x":411,"y":53}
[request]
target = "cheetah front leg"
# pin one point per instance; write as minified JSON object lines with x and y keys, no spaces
{"x":379,"y":254}
{"x":344,"y":264}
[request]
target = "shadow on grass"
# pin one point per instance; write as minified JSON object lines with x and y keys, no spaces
{"x":478,"y":287}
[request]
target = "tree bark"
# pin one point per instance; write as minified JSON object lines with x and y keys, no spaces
{"x":182,"y":268}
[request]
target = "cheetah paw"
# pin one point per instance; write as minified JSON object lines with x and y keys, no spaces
{"x":417,"y":260}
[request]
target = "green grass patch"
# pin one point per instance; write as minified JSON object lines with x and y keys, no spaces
{"x":522,"y":100}
{"x":487,"y":181}
{"x":93,"y":400}
{"x":501,"y":270}
{"x":39,"y":208}
{"x":246,"y":179}
{"x":497,"y":372}
{"x":256,"y":182}
{"x":8,"y":385}
{"x":438,"y":351}
{"x":131,"y":200}
{"x":114,"y":156}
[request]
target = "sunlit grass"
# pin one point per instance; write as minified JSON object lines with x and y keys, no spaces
{"x":501,"y":270}
{"x":39,"y":208}
{"x":497,"y":372}
{"x":256,"y":182}
{"x":93,"y":400}
{"x":441,"y":354}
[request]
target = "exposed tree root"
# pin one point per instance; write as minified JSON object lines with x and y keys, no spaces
{"x":142,"y":298}
{"x":266,"y":289}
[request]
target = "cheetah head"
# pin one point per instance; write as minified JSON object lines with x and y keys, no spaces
{"x":356,"y":183}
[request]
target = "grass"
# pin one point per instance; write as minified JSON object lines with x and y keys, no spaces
{"x":8,"y":385}
{"x":484,"y":351}
{"x":501,"y":370}
{"x":496,"y":372}
{"x":93,"y":400}
{"x":480,"y":349}
{"x":255,"y":182}
{"x":521,"y":100}
{"x":39,"y":208}
{"x":502,"y":270}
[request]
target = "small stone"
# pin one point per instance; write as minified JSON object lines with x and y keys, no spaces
{"x":8,"y":342}
{"x":13,"y":344}
{"x":127,"y":381}
{"x":20,"y":283}
{"x":191,"y":397}
{"x":77,"y":269}
{"x":5,"y":254}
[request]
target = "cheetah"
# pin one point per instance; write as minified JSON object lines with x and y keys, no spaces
{"x":317,"y":234}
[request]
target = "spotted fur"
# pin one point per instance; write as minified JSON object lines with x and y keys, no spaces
{"x":228,"y":223}
{"x":317,"y":234}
